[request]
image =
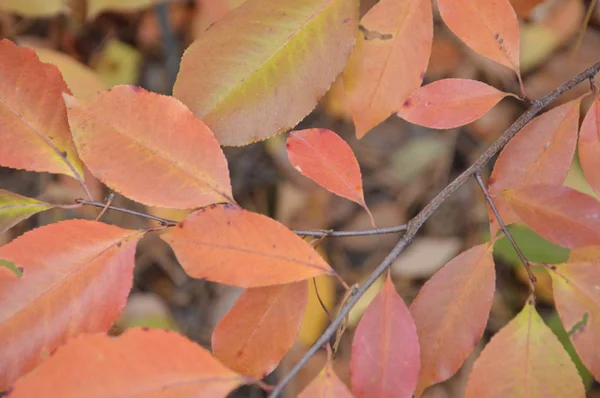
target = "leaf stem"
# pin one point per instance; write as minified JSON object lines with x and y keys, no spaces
{"x":102,"y":205}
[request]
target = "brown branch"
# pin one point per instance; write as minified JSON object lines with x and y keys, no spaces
{"x":103,"y":205}
{"x":415,"y":223}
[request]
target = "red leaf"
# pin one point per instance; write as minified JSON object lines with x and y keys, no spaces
{"x":150,"y":148}
{"x":450,"y":103}
{"x":577,"y":298}
{"x":451,"y":312}
{"x":488,"y":27}
{"x":326,"y":385}
{"x":69,"y":268}
{"x":589,"y":146}
{"x":541,"y":153}
{"x":324,"y":157}
{"x":388,"y":61}
{"x":33,"y":119}
{"x":230,"y":245}
{"x":141,"y":363}
{"x":524,"y":359}
{"x":260,"y":328}
{"x":385,"y":349}
{"x":560,"y":214}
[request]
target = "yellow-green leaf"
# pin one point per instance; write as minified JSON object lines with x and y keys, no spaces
{"x":96,"y":7}
{"x":15,"y":208}
{"x":258,"y":71}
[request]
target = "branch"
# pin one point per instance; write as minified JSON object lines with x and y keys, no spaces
{"x":367,"y":232}
{"x":104,"y":206}
{"x":416,"y":222}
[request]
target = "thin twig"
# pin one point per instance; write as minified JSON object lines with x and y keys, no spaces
{"x":415,"y":223}
{"x":367,"y":232}
{"x":526,"y":263}
{"x":102,"y":205}
{"x":109,"y":200}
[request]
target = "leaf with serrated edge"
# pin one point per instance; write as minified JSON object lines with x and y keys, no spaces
{"x":260,"y":328}
{"x":33,"y":119}
{"x":249,"y":81}
{"x":324,"y":157}
{"x":589,"y":146}
{"x":451,"y":312}
{"x":15,"y":208}
{"x":450,"y":103}
{"x":141,"y":362}
{"x":68,"y":268}
{"x":389,"y":60}
{"x":230,"y":245}
{"x":150,"y":148}
{"x":326,"y":385}
{"x":576,"y":287}
{"x":488,"y":27}
{"x":385,"y":349}
{"x":559,"y":214}
{"x":524,"y":359}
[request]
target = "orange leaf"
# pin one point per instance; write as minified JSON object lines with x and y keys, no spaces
{"x":488,"y":27}
{"x":524,"y":359}
{"x":541,"y":153}
{"x":230,"y":245}
{"x":451,"y":312}
{"x":324,"y":157}
{"x":388,"y":61}
{"x":150,"y":148}
{"x":141,"y":362}
{"x":577,"y":298}
{"x":33,"y":120}
{"x":589,"y":146}
{"x":69,"y":268}
{"x":450,"y":103}
{"x":560,"y":214}
{"x":326,"y":385}
{"x":260,"y":328}
{"x":385,"y":349}
{"x":249,"y":81}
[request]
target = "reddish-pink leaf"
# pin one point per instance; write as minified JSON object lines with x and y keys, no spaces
{"x":149,"y":147}
{"x":589,"y":145}
{"x":230,"y":245}
{"x":33,"y":120}
{"x":385,"y":349}
{"x":139,"y":363}
{"x":451,"y":312}
{"x":541,"y":153}
{"x":560,"y":214}
{"x":524,"y":359}
{"x":576,"y":287}
{"x":388,"y":61}
{"x":488,"y":27}
{"x":326,"y":385}
{"x":76,"y":278}
{"x":260,"y":328}
{"x":449,"y":103}
{"x":324,"y":157}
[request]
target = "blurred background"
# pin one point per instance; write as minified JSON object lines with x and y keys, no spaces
{"x":140,"y":42}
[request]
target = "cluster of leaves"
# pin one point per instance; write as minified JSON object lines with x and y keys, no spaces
{"x":64,"y":284}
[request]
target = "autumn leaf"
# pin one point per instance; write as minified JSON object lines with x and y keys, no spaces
{"x":451,"y":312}
{"x":577,"y":299}
{"x":150,"y":148}
{"x":15,"y":208}
{"x":33,"y":119}
{"x":560,"y":214}
{"x":68,"y":269}
{"x":249,"y":81}
{"x":450,"y":103}
{"x":389,"y":60}
{"x":385,"y":348}
{"x":488,"y":27}
{"x":326,"y":385}
{"x":589,"y":146}
{"x":140,"y":362}
{"x":34,"y":8}
{"x":541,"y":153}
{"x":524,"y":359}
{"x":324,"y":157}
{"x":241,"y":248}
{"x":260,"y":328}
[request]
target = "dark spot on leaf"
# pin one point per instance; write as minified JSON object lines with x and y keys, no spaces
{"x":501,"y":41}
{"x":274,"y":246}
{"x":373,"y":34}
{"x":119,"y":244}
{"x":496,"y":36}
{"x":239,"y":354}
{"x":345,"y":20}
{"x":228,"y":222}
{"x":180,"y":224}
{"x":145,"y":329}
{"x":407,"y":103}
{"x":553,"y":267}
{"x":63,"y":154}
